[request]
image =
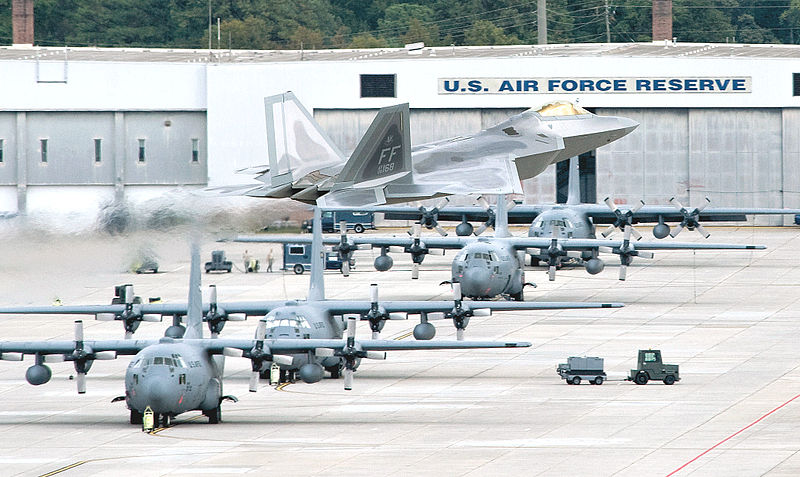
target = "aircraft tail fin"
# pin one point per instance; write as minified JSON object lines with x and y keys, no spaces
{"x":574,"y":182}
{"x":194,"y":317}
{"x":383,"y":155}
{"x":296,"y":143}
{"x":316,"y":286}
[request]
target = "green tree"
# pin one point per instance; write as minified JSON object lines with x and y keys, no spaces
{"x":790,"y":19}
{"x":365,"y":40}
{"x":484,"y":32}
{"x":750,"y":32}
{"x":406,"y":23}
{"x":306,"y":38}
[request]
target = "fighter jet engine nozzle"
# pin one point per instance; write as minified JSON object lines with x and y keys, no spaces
{"x":311,"y":373}
{"x":424,"y":331}
{"x":474,"y":281}
{"x":594,"y":266}
{"x":661,"y":230}
{"x":38,"y":374}
{"x":383,"y":263}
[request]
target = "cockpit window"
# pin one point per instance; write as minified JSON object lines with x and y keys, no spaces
{"x":295,"y":321}
{"x":537,"y":222}
{"x":158,"y":360}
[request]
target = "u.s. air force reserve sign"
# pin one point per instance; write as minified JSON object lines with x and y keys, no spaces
{"x":684,"y":84}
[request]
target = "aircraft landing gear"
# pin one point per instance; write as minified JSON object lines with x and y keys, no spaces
{"x":136,"y":417}
{"x":214,"y":415}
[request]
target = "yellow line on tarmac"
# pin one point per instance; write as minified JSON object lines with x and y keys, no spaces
{"x":281,"y":387}
{"x":404,"y":336}
{"x":64,"y":469}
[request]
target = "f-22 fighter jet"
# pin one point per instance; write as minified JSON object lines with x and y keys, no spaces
{"x":305,"y":165}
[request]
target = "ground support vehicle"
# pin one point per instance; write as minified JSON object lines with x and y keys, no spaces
{"x":650,"y":367}
{"x":218,"y":262}
{"x":358,"y":222}
{"x":577,"y":369}
{"x":297,"y":257}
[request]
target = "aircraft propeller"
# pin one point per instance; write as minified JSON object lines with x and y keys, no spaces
{"x":554,"y":253}
{"x":258,"y":354}
{"x":345,"y":248}
{"x":418,"y":250}
{"x":132,"y":315}
{"x":351,"y":353}
{"x":460,"y":314}
{"x":490,"y":221}
{"x":83,"y":356}
{"x":429,"y":218}
{"x":623,"y":219}
{"x":217,"y":316}
{"x":690,"y":219}
{"x":626,"y":252}
{"x":377,"y":315}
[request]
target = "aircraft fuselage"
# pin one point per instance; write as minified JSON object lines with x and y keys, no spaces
{"x":488,"y":268}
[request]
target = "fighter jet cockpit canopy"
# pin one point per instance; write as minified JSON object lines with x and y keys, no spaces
{"x":561,"y":108}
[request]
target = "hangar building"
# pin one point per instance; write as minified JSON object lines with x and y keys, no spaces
{"x":83,"y":127}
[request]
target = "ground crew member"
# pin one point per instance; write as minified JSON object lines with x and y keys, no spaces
{"x":246,"y":259}
{"x":270,"y":260}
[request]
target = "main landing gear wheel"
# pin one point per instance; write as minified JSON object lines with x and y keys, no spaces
{"x":641,"y":378}
{"x":136,"y":417}
{"x":214,"y":415}
{"x":517,"y":296}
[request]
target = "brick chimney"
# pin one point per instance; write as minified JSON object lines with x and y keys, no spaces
{"x":22,"y":21}
{"x":662,"y":20}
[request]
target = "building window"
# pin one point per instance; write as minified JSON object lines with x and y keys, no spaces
{"x":141,"y":150}
{"x":2,"y":148}
{"x":43,"y":148}
{"x":378,"y":86}
{"x":98,"y":150}
{"x":796,"y":84}
{"x":195,"y":150}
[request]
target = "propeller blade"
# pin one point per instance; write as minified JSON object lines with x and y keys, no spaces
{"x":105,"y":317}
{"x":351,"y":327}
{"x":705,"y":204}
{"x":415,"y":271}
{"x":375,"y":355}
{"x":343,"y":227}
{"x":481,"y":229}
{"x":373,"y":292}
{"x":635,"y":233}
{"x":282,"y":359}
{"x":482,"y":312}
{"x":440,"y":230}
{"x":232,"y":352}
{"x":212,"y":294}
{"x":151,"y":318}
{"x":79,"y":333}
{"x":396,"y":249}
{"x":638,"y":206}
{"x":435,"y":315}
{"x":436,"y":251}
{"x":457,"y":291}
{"x":237,"y":316}
{"x":511,"y":205}
{"x":81,"y":380}
{"x":128,"y":294}
{"x":254,"y":381}
{"x":702,"y":231}
{"x":623,"y":272}
{"x":261,"y":329}
{"x":627,"y":233}
{"x":552,"y":273}
{"x":54,"y":358}
{"x":610,"y":203}
{"x":128,"y":335}
{"x":608,"y":231}
{"x":364,"y":246}
{"x":483,"y":203}
{"x":324,"y":352}
{"x":676,"y":230}
{"x":348,"y":379}
{"x":398,"y":315}
{"x":417,"y":230}
{"x":605,"y":249}
{"x":105,"y":355}
{"x":460,"y":334}
{"x":676,"y":204}
{"x":346,"y":267}
{"x":376,"y":335}
{"x":646,"y":254}
{"x":442,"y":203}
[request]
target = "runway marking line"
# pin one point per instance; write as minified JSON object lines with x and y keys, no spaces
{"x":404,"y":336}
{"x":64,"y":469}
{"x":732,"y":436}
{"x":281,"y":387}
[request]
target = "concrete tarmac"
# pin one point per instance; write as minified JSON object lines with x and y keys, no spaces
{"x":729,"y":319}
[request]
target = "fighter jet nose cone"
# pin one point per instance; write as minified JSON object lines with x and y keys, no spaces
{"x":628,"y":125}
{"x":474,"y":282}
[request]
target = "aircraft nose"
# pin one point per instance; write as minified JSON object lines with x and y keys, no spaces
{"x":158,"y":395}
{"x":474,"y":282}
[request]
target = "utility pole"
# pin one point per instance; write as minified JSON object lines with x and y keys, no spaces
{"x":608,"y":29}
{"x":209,"y":25}
{"x":541,"y":21}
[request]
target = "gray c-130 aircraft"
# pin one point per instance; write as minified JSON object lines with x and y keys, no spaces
{"x":172,"y":376}
{"x":305,"y":165}
{"x":487,"y":267}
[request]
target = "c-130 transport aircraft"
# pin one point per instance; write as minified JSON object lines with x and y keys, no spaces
{"x":172,"y":376}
